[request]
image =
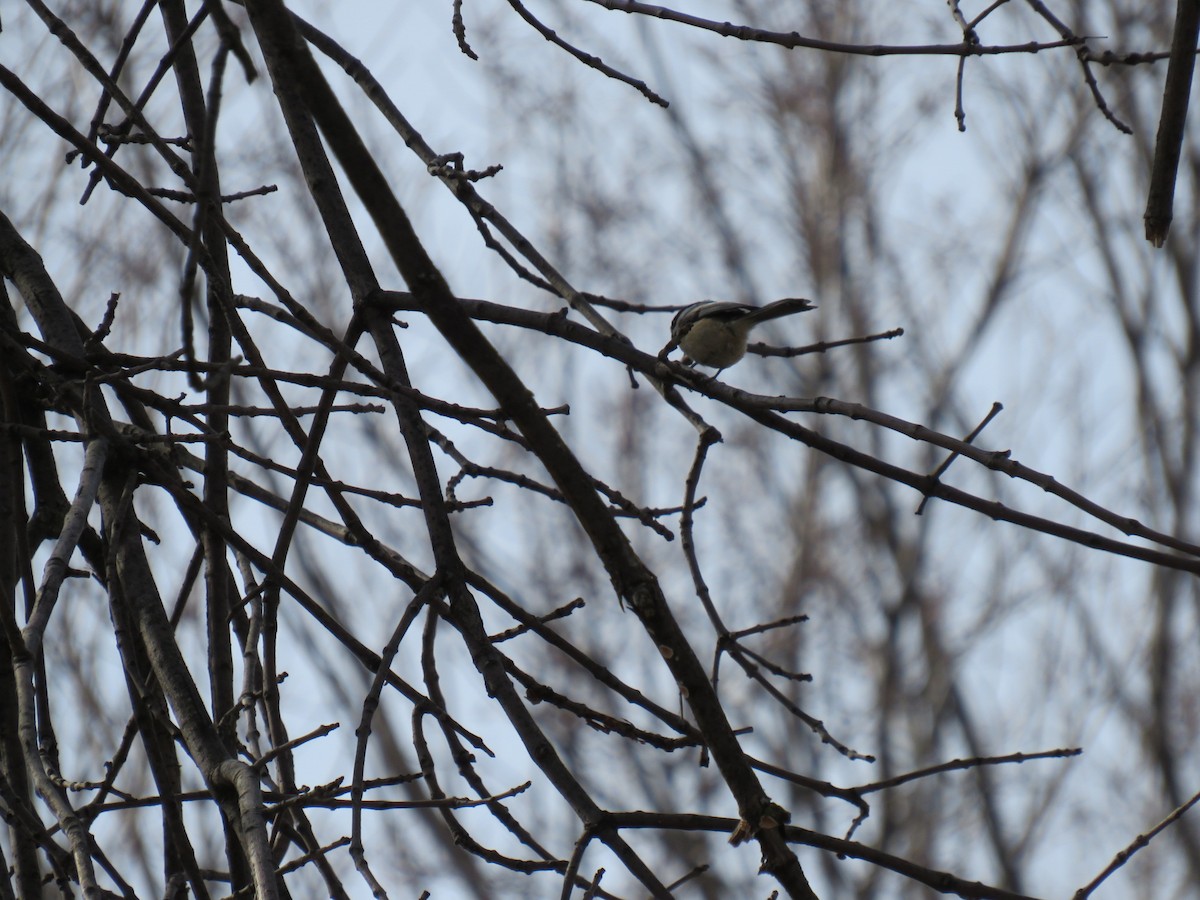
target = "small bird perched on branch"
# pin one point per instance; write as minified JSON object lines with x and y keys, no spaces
{"x":714,"y":333}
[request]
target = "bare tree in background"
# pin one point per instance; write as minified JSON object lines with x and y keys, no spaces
{"x":327,"y":581}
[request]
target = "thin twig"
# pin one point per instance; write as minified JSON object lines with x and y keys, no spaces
{"x":587,"y":59}
{"x":1140,"y":842}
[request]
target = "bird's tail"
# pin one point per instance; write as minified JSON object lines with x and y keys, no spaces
{"x":779,"y":309}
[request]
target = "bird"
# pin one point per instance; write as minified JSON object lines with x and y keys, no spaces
{"x":714,"y":333}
